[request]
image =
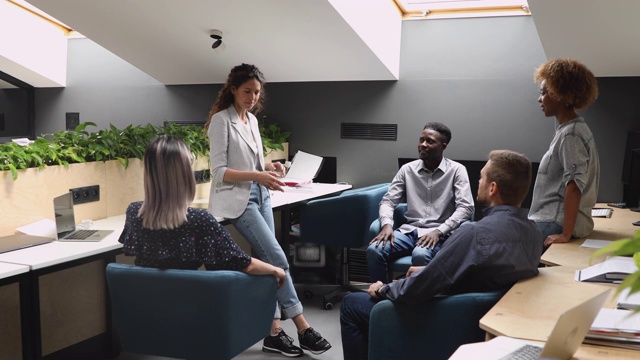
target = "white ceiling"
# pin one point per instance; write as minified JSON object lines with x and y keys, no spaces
{"x":310,"y":40}
{"x":603,"y":34}
{"x":290,"y":40}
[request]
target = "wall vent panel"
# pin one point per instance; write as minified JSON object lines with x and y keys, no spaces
{"x":369,"y":131}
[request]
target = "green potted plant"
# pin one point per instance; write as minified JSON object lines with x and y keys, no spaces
{"x":80,"y":146}
{"x":622,"y":247}
{"x":273,"y":138}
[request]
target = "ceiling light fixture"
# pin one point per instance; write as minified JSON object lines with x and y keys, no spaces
{"x":217,"y":36}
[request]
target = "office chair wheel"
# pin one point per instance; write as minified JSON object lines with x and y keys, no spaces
{"x":308,"y":294}
{"x":327,"y":305}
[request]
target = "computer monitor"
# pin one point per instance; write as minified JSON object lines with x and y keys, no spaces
{"x":630,"y":170}
{"x":632,"y":186}
{"x":184,"y":122}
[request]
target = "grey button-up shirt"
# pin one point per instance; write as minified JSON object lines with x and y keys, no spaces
{"x":439,"y":199}
{"x":572,"y":155}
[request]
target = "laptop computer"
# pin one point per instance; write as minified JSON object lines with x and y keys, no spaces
{"x":19,"y":241}
{"x":568,"y":333}
{"x":563,"y":342}
{"x":66,"y":222}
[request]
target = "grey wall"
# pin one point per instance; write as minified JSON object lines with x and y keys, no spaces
{"x":475,"y":75}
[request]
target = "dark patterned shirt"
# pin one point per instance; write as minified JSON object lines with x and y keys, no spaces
{"x":200,"y":240}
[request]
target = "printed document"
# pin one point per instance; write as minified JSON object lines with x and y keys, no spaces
{"x":304,"y":168}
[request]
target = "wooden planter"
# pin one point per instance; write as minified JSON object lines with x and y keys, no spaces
{"x":30,"y":197}
{"x":278,"y":154}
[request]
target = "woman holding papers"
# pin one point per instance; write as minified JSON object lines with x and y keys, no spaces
{"x":240,"y":192}
{"x":566,"y":186}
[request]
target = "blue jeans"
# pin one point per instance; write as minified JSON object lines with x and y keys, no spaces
{"x":379,"y":258}
{"x":256,"y":225}
{"x":354,"y":325}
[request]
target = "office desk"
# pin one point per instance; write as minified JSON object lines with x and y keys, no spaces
{"x":64,"y":304}
{"x":618,"y":226}
{"x":13,"y":282}
{"x":285,"y":201}
{"x":529,"y":310}
{"x":65,"y":300}
{"x":291,"y":196}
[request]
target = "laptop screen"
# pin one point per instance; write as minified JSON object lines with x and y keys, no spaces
{"x":63,"y":209}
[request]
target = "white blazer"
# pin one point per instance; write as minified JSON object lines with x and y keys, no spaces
{"x":230,"y":149}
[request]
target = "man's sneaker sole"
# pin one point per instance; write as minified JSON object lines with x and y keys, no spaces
{"x":276,"y":351}
{"x":315,"y":352}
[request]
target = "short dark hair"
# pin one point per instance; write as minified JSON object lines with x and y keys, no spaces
{"x":512,"y":172}
{"x":440,"y":128}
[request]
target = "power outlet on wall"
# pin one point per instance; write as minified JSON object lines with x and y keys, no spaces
{"x":85,"y":194}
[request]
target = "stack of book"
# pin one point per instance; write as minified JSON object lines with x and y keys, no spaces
{"x":617,"y":328}
{"x":613,"y":270}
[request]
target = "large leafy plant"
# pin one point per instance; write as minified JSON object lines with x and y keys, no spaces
{"x":272,"y":136}
{"x":622,"y":247}
{"x":79,"y":146}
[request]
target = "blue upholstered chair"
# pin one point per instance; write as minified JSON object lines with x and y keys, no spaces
{"x":342,"y":222}
{"x":189,"y":314}
{"x":428,"y":331}
{"x":401,"y":265}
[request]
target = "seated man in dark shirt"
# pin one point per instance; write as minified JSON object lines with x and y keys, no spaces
{"x":487,"y":255}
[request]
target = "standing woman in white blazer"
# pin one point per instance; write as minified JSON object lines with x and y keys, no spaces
{"x":240,"y":193}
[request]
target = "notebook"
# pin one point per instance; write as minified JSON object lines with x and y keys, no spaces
{"x":563,"y":342}
{"x":66,"y":222}
{"x":304,"y":168}
{"x":19,"y":241}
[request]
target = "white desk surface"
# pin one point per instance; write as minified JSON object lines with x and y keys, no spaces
{"x":306,"y":192}
{"x":290,"y":195}
{"x":58,"y":252}
{"x":8,"y":270}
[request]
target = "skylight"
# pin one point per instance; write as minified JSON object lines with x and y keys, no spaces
{"x":440,"y":9}
{"x":45,"y":17}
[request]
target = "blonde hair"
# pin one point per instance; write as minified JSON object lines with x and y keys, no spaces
{"x":569,"y":82}
{"x":512,"y":172}
{"x":169,"y":184}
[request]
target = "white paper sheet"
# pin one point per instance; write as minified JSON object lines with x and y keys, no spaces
{"x":595,"y":244}
{"x":616,"y":319}
{"x":44,"y":227}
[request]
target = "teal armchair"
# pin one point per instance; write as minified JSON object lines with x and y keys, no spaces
{"x":189,"y":314}
{"x":433,"y":330}
{"x":342,"y":222}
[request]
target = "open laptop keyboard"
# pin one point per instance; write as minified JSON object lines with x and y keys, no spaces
{"x":80,"y":234}
{"x":526,"y":352}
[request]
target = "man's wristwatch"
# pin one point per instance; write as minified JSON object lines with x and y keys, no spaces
{"x":377,"y":290}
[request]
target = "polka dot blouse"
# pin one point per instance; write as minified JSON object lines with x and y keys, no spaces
{"x":201,"y":240}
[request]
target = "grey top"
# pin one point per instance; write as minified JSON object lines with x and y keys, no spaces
{"x":439,"y":199}
{"x":487,"y":255}
{"x":573,"y":155}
